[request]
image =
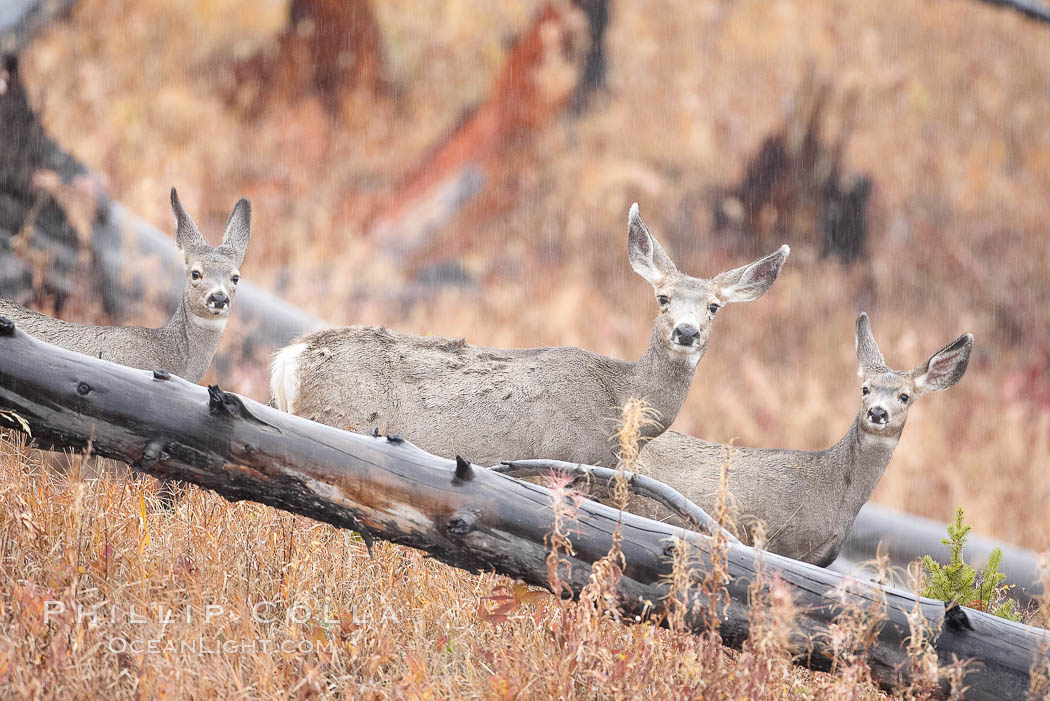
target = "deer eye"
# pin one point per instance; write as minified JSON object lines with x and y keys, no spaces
{"x":235,"y":279}
{"x":196,"y":275}
{"x":904,"y":399}
{"x":865,"y":391}
{"x":664,"y":300}
{"x":713,"y":308}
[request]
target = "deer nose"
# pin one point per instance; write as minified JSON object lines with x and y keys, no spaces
{"x":878,"y":415}
{"x":685,"y":334}
{"x":218,"y":300}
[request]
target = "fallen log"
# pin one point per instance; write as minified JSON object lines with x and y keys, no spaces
{"x":470,"y":518}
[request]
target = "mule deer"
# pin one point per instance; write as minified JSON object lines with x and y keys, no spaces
{"x":450,"y":397}
{"x":185,"y":345}
{"x":807,"y":499}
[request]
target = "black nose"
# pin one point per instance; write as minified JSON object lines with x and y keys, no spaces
{"x":878,"y":415}
{"x":218,"y":300}
{"x":685,"y":334}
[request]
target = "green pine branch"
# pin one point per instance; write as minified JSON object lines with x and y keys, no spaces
{"x":958,"y":583}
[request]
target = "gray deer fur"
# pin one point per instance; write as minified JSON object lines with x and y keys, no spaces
{"x":450,"y":397}
{"x":807,"y":499}
{"x":185,"y":345}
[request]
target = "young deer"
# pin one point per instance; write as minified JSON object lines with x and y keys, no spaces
{"x":807,"y":499}
{"x":450,"y":397}
{"x":185,"y":345}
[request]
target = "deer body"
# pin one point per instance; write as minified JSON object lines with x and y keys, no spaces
{"x":186,"y":343}
{"x":527,"y":401}
{"x":183,"y":346}
{"x":807,"y":500}
{"x":450,"y":397}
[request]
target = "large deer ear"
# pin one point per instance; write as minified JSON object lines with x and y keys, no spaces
{"x":868,"y":353}
{"x":750,"y":282}
{"x":946,"y":366}
{"x":238,"y":230}
{"x":646,"y":255}
{"x":187,"y":237}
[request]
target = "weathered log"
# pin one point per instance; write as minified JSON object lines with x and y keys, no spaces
{"x":474,"y":519}
{"x":637,"y":483}
{"x":907,"y":537}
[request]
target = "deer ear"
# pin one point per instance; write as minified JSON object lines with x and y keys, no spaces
{"x":187,"y":237}
{"x":750,"y":282}
{"x":946,"y":366}
{"x":238,"y":230}
{"x":867,"y":350}
{"x":646,"y":255}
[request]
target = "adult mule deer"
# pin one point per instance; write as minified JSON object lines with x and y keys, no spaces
{"x":807,"y":499}
{"x":450,"y":397}
{"x":186,"y":343}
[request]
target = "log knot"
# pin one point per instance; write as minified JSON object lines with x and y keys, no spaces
{"x":229,"y":404}
{"x":7,"y":327}
{"x":955,"y":617}
{"x":463,"y":472}
{"x":395,"y":439}
{"x":153,"y":452}
{"x":161,"y":375}
{"x":462,"y":522}
{"x":83,"y":389}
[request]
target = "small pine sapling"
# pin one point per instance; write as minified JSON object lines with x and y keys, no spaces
{"x":959,"y":583}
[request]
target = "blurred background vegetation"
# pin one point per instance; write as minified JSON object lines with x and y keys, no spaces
{"x":445,"y":168}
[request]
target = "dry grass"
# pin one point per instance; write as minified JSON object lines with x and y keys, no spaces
{"x":102,"y":592}
{"x":952,"y":126}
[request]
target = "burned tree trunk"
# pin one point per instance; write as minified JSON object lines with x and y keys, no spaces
{"x":468,"y":517}
{"x":328,"y":48}
{"x":535,"y":85}
{"x":592,"y":77}
{"x":797,"y":182}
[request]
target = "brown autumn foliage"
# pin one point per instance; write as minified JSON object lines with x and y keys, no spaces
{"x":949,"y":120}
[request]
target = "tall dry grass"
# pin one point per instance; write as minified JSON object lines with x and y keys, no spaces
{"x":104,"y":593}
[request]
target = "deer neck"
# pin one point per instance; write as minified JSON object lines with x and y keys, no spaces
{"x":857,"y":463}
{"x":192,"y":342}
{"x":661,"y":378}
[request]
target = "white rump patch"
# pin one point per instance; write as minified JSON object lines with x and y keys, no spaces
{"x":284,"y":376}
